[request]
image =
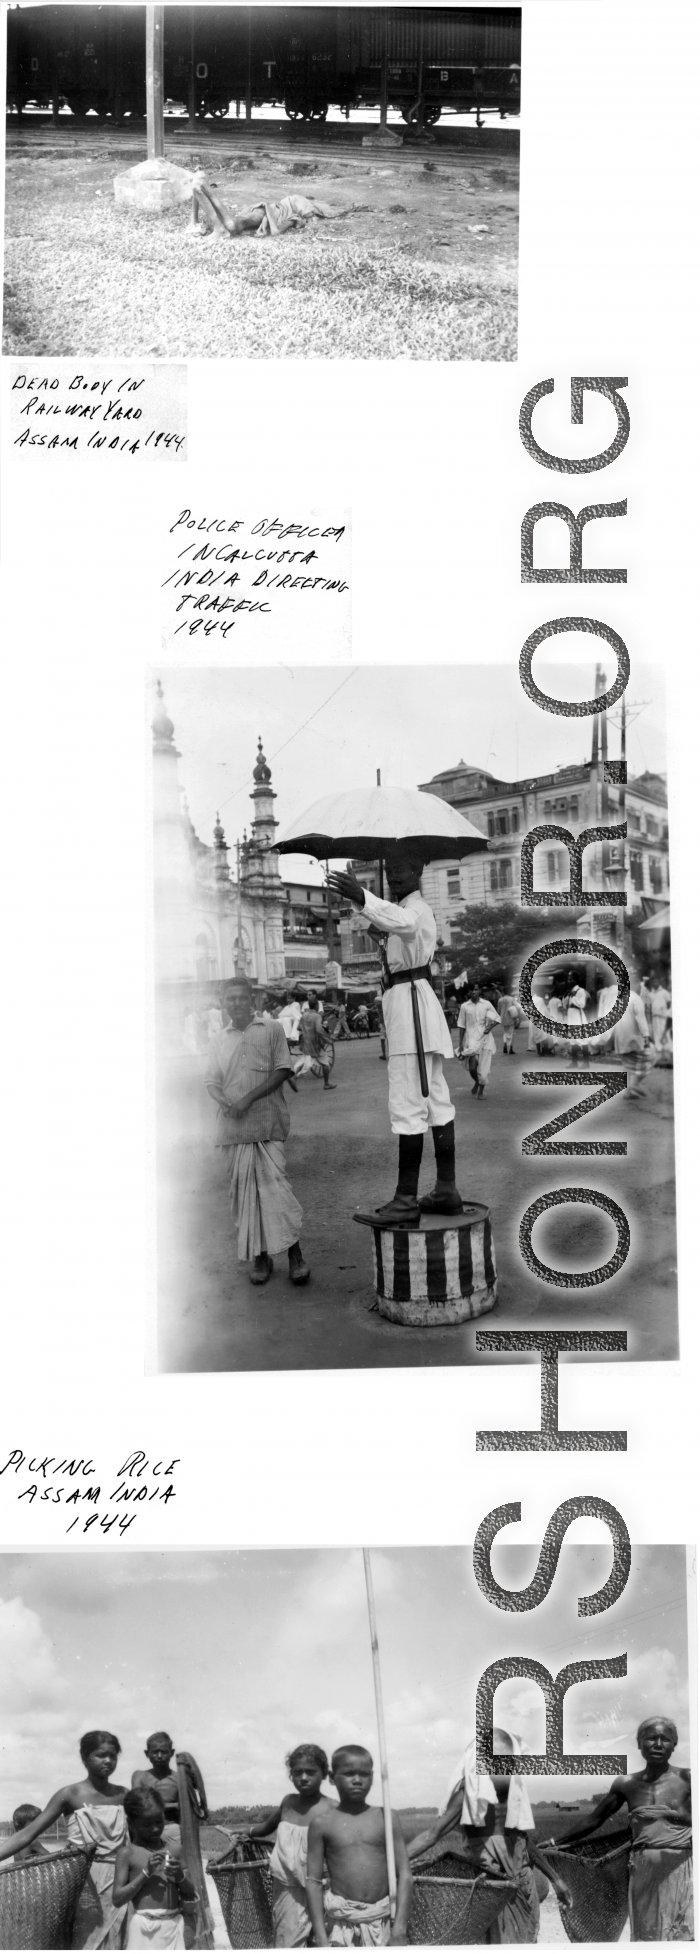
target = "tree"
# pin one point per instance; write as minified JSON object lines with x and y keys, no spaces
{"x":493,"y":940}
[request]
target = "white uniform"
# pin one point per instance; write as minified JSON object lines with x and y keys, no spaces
{"x":411,"y":933}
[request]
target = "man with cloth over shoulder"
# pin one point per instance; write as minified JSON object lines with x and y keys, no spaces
{"x":418,"y":1035}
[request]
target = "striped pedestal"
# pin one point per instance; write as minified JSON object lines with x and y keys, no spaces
{"x":443,"y":1271}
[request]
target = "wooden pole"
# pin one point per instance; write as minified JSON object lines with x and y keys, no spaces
{"x":384,"y":77}
{"x":154,"y":81}
{"x":386,"y":1800}
{"x":192,"y":81}
{"x":249,"y":67}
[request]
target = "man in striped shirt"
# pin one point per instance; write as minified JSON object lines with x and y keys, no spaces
{"x":248,"y":1064}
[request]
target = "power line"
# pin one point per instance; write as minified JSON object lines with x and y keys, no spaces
{"x":299,"y":729}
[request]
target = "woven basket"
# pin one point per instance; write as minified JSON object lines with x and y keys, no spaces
{"x":596,"y":1872}
{"x":449,"y":1911}
{"x":451,"y":1907}
{"x":39,"y":1898}
{"x":244,"y":1886}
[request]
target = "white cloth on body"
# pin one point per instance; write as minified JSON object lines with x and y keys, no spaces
{"x":411,"y":932}
{"x":409,"y":1112}
{"x":660,"y":1006}
{"x":480,"y":1792}
{"x":631,"y":1031}
{"x":290,"y":1913}
{"x":156,"y":1927}
{"x":264,"y":1207}
{"x":476,"y":1021}
{"x":357,"y":1923}
{"x":289,"y":1852}
{"x":98,"y":1922}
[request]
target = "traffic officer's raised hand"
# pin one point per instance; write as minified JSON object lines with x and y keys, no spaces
{"x":344,"y":882}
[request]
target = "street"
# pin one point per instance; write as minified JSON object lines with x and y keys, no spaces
{"x":341,"y":1156}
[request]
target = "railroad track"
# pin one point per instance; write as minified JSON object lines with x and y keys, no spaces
{"x":219,"y":141}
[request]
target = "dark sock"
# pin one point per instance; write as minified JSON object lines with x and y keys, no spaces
{"x":444,"y":1144}
{"x":410,"y":1156}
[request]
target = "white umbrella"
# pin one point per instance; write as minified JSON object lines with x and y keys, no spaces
{"x":364,"y":821}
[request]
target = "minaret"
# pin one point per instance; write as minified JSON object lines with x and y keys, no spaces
{"x":172,"y":865}
{"x":222,"y":873}
{"x":260,"y":874}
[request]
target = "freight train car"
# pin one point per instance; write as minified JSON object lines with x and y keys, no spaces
{"x":84,"y":58}
{"x":443,"y":58}
{"x":420,"y":61}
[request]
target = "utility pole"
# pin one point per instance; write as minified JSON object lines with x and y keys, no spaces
{"x":249,"y":66}
{"x":154,"y":81}
{"x":384,"y":75}
{"x":330,"y":925}
{"x":192,"y":81}
{"x":381,"y":858}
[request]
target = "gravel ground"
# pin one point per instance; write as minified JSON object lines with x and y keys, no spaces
{"x":401,"y":276}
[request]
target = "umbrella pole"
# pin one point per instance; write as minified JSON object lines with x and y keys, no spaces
{"x":386,"y":1801}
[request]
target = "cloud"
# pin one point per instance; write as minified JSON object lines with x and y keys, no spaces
{"x":30,"y":1680}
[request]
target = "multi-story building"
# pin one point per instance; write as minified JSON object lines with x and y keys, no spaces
{"x":305,"y":926}
{"x":573,"y":797}
{"x":206,"y":925}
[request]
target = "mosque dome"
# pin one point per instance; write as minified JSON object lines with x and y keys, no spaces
{"x":261,"y":772}
{"x":162,"y":725}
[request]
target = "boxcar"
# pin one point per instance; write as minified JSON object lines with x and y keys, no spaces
{"x":424,"y":60}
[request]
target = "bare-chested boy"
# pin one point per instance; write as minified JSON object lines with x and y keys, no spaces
{"x":160,"y":1776}
{"x":25,"y":1815}
{"x":661,"y":1861}
{"x":354,"y":1910}
{"x":150,"y":1877}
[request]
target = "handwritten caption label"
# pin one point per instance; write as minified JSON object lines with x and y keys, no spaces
{"x":89,"y":1504}
{"x":225,"y":569}
{"x":100,"y":410}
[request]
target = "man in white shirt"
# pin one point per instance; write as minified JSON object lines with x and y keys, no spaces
{"x":474,"y":1023}
{"x":289,"y":1017}
{"x":418,"y":1035}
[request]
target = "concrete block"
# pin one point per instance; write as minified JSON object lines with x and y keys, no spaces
{"x":383,"y":139}
{"x":153,"y":185}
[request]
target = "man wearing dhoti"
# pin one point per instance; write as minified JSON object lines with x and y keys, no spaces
{"x":418,"y":1035}
{"x":661,"y":1860}
{"x":248,"y":1065}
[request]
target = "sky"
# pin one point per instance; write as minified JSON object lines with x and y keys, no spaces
{"x":242,"y":1655}
{"x":327,"y":729}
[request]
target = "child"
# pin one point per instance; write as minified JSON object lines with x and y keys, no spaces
{"x":21,"y":1817}
{"x":160,"y":1775}
{"x":307,"y":1767}
{"x":95,"y":1812}
{"x":153,"y":1880}
{"x":354,"y":1911}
